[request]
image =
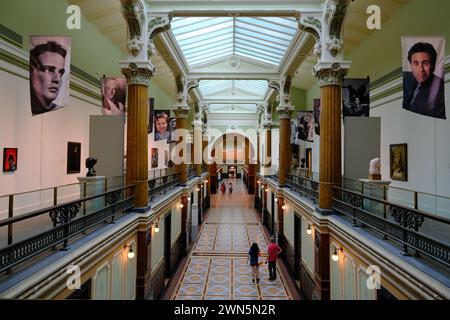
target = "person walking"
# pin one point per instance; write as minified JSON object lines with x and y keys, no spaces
{"x":274,"y":250}
{"x":253,"y":256}
{"x":230,"y":187}
{"x":223,"y":188}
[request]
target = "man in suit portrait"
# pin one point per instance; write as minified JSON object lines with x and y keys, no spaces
{"x":423,"y":91}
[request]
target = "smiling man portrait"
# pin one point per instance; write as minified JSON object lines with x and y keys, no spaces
{"x":423,"y":86}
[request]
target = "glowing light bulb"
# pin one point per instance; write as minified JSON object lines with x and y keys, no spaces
{"x":309,"y":231}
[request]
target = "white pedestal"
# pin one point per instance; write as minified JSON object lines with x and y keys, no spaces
{"x":375,"y":189}
{"x":89,"y":187}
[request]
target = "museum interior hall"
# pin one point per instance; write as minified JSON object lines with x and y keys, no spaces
{"x":224,"y":150}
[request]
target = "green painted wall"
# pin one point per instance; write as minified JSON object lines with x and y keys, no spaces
{"x":92,"y":51}
{"x":381,"y":52}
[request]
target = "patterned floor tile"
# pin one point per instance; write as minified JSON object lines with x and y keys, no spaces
{"x":219,"y":278}
{"x":194,"y":278}
{"x":272,"y":291}
{"x":218,"y":289}
{"x":182,"y":297}
{"x":191,"y":289}
{"x":245,"y":290}
{"x":218,"y":298}
{"x":197,"y":269}
{"x":242,"y":279}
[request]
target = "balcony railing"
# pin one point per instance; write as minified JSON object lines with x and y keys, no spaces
{"x":305,"y":186}
{"x":425,"y":233}
{"x":422,"y":201}
{"x":35,"y":232}
{"x":162,"y":180}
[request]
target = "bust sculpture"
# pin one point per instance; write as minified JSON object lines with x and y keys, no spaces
{"x":90,"y":163}
{"x":374,"y":169}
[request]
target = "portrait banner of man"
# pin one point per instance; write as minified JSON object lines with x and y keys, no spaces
{"x":172,"y":128}
{"x":356,"y":97}
{"x":162,"y":125}
{"x":114,"y":95}
{"x":151,"y":110}
{"x":316,"y":103}
{"x":49,"y":73}
{"x":423,"y":75}
{"x":305,"y":126}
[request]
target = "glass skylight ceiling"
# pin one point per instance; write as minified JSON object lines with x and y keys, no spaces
{"x":231,"y":88}
{"x":207,"y":39}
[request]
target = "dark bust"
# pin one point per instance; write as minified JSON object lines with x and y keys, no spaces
{"x":90,"y":163}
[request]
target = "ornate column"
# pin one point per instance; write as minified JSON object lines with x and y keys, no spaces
{"x":330,"y":70}
{"x":267,"y":126}
{"x":181,"y":110}
{"x":138,"y":69}
{"x":198,"y":146}
{"x":284,"y":109}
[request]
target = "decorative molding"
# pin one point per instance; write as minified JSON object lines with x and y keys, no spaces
{"x":184,"y":85}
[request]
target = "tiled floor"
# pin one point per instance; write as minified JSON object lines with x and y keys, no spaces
{"x":217,"y":268}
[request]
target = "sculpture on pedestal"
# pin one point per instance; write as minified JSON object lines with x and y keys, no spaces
{"x":374,"y":169}
{"x":90,"y":163}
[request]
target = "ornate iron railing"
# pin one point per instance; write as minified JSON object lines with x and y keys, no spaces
{"x":305,"y":186}
{"x":162,"y":181}
{"x":191,"y":172}
{"x":66,"y":225}
{"x":411,"y":228}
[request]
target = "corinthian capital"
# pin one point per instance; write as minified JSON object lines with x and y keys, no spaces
{"x":138,"y":73}
{"x":283,"y":87}
{"x":331,"y":74}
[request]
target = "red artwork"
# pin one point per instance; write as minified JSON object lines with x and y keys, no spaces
{"x":9,"y":159}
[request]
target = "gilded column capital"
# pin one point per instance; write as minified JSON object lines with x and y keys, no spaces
{"x":181,"y":111}
{"x":331,"y":74}
{"x":285,"y":113}
{"x":138,"y":73}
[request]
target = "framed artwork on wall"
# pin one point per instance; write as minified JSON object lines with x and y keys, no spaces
{"x":398,"y":155}
{"x":73,"y":157}
{"x":154,"y":158}
{"x":9,"y":159}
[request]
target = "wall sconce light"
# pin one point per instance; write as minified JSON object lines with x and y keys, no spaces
{"x":335,"y":255}
{"x":283,"y":207}
{"x":181,"y":205}
{"x":258,"y":182}
{"x":198,"y":189}
{"x":276,"y":199}
{"x":130,"y":252}
{"x":156,"y":227}
{"x":309,"y":230}
{"x":189,"y":198}
{"x":206,"y":181}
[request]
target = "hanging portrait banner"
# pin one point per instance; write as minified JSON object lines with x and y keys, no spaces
{"x":49,"y":73}
{"x":356,"y":97}
{"x":162,"y":125}
{"x":423,"y":75}
{"x":316,"y":103}
{"x":305,"y":126}
{"x":114,"y":95}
